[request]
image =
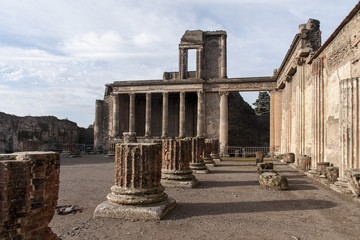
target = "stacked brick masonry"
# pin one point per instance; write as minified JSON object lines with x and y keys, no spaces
{"x":29,"y":185}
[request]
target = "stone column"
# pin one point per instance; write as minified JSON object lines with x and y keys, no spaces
{"x":176,"y":172}
{"x":132,"y":112}
{"x":207,"y":151}
{"x":200,"y":114}
{"x":98,"y":125}
{"x":137,"y":185}
{"x":165,"y":111}
{"x":115,"y":132}
{"x":215,"y":150}
{"x":197,"y":164}
{"x":223,"y":131}
{"x":148,"y":115}
{"x":199,"y":60}
{"x":223,"y":57}
{"x":183,"y":61}
{"x":182,"y":115}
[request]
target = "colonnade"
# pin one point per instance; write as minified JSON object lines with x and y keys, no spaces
{"x":200,"y":118}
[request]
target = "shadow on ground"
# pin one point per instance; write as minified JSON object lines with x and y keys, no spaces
{"x":187,"y":210}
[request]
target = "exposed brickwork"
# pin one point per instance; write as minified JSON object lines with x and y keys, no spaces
{"x":176,"y":154}
{"x":197,"y":149}
{"x":29,"y":185}
{"x":137,"y":174}
{"x":208,"y":149}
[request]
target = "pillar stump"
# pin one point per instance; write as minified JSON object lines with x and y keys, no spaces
{"x":215,"y":150}
{"x":304,"y":162}
{"x":176,"y":172}
{"x":137,"y":193}
{"x":197,"y":164}
{"x":29,"y":186}
{"x":259,"y":157}
{"x":206,"y":153}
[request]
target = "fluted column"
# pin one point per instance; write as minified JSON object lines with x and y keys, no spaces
{"x":165,"y":111}
{"x":182,"y":115}
{"x":197,"y":164}
{"x":148,"y":115}
{"x":224,"y":117}
{"x":116,"y":116}
{"x":200,"y":114}
{"x":176,"y":156}
{"x":132,"y":112}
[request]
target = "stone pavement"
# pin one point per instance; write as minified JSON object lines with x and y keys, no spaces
{"x":226,"y":204}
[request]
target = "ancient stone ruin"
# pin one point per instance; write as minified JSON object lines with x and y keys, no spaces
{"x":137,"y":193}
{"x":176,"y":156}
{"x":184,"y":103}
{"x":29,"y":185}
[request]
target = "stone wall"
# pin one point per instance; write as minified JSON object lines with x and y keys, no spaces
{"x":39,"y":133}
{"x":29,"y":185}
{"x":319,"y":88}
{"x":245,"y":127}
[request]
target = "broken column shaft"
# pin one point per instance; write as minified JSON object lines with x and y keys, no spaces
{"x":197,"y":164}
{"x":207,"y":151}
{"x":137,"y":193}
{"x":176,"y":172}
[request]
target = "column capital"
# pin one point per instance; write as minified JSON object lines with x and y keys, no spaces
{"x":131,"y":94}
{"x":182,"y":93}
{"x":226,"y":93}
{"x":200,"y":92}
{"x":148,"y":94}
{"x":165,"y":94}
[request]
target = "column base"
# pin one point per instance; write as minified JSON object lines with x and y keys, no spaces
{"x":199,"y":168}
{"x":179,"y":183}
{"x":215,"y":157}
{"x":154,"y":212}
{"x":209,"y":162}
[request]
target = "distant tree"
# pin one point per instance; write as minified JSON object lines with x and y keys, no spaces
{"x":262,"y":104}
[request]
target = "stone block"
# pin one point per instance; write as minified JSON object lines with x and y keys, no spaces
{"x":265,"y":167}
{"x":304,"y":162}
{"x":273,"y":180}
{"x":353,"y":177}
{"x":289,"y":158}
{"x":332,"y":174}
{"x":321,"y":167}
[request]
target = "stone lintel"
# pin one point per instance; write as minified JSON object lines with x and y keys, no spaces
{"x":134,"y":212}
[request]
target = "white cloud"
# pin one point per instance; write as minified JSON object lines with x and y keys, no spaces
{"x":56,"y":56}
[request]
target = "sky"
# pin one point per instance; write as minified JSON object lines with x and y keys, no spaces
{"x":57,"y":55}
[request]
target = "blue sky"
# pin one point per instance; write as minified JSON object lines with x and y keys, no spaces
{"x":56,"y":56}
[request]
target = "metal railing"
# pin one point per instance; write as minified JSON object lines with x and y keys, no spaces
{"x":245,"y":152}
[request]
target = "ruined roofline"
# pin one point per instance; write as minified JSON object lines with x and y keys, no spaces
{"x":336,"y":32}
{"x":298,"y":37}
{"x":191,"y":81}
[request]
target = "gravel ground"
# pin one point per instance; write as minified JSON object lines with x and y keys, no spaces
{"x":227,"y":204}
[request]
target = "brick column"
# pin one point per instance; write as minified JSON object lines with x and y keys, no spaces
{"x":148,"y":115}
{"x":29,"y":186}
{"x":200,"y":114}
{"x":215,"y":150}
{"x":197,"y":164}
{"x":182,"y":115}
{"x":176,"y":172}
{"x":207,"y":151}
{"x":137,"y":184}
{"x":165,"y":111}
{"x":224,"y":118}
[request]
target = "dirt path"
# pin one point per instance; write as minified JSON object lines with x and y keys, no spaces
{"x":227,"y":204}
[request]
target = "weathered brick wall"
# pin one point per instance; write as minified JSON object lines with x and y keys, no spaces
{"x":29,"y":185}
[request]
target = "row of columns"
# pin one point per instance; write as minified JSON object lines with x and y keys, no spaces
{"x":223,"y":130}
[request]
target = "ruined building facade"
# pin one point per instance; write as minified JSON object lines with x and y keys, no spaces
{"x":182,"y":104}
{"x":315,"y":105}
